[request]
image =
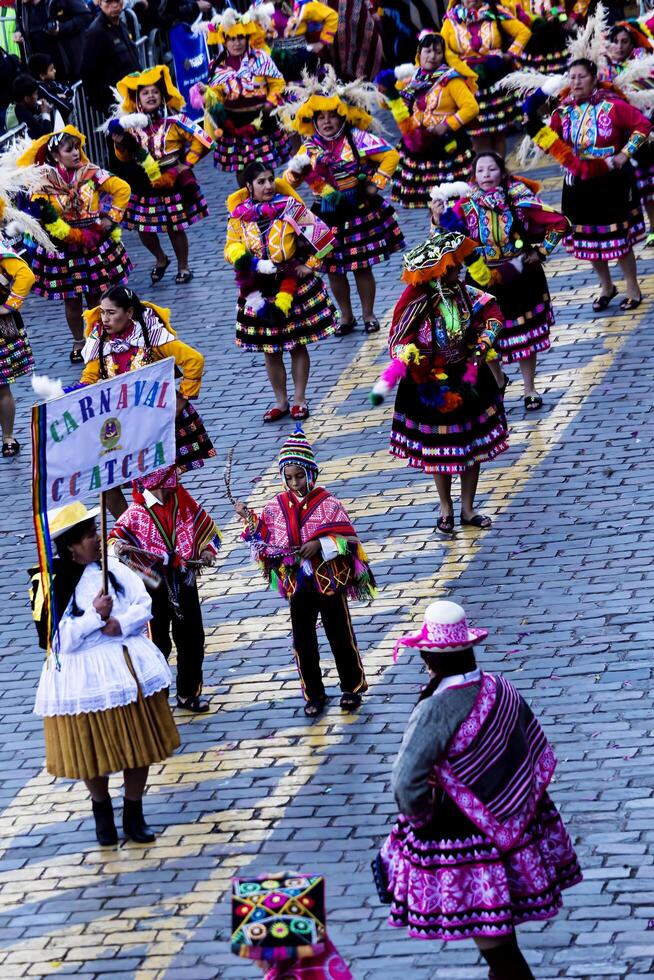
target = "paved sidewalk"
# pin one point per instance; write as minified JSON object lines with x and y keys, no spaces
{"x":563,"y":582}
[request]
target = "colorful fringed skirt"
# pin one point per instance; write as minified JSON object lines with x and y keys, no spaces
{"x":173,"y":211}
{"x":71,"y":272}
{"x":605,"y":214}
{"x":366,"y":239}
{"x":447,"y":880}
{"x":546,"y":49}
{"x":498,"y":111}
{"x":643,"y":162}
{"x":16,"y":358}
{"x":417,"y":173}
{"x":192,"y":442}
{"x":438,"y":441}
{"x":97,"y":743}
{"x":527,"y":309}
{"x":312,"y":317}
{"x":242,"y":142}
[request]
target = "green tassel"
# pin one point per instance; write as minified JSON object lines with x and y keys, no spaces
{"x":341,"y":544}
{"x":274,"y":581}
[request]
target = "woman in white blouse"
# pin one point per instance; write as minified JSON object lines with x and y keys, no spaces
{"x":104,"y":696}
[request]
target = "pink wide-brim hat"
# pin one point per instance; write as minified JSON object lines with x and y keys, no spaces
{"x":445,"y":628}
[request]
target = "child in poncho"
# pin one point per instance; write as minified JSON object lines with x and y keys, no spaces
{"x":308,"y":549}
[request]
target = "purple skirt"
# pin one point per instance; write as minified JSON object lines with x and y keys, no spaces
{"x":460,"y":886}
{"x":165,"y":212}
{"x":71,"y":272}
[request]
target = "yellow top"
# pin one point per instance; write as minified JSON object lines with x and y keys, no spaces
{"x":20,"y":279}
{"x":168,"y":139}
{"x":314,"y":12}
{"x":129,"y":85}
{"x":85,"y":203}
{"x":457,"y":38}
{"x":188,"y":360}
{"x":453,"y":104}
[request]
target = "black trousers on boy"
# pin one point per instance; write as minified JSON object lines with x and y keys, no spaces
{"x":335,"y":614}
{"x":187,"y":632}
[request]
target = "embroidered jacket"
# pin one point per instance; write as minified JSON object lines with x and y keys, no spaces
{"x":313,"y":20}
{"x":476,"y":34}
{"x":337,"y":163}
{"x":76,"y":195}
{"x":177,"y":530}
{"x":129,"y":351}
{"x":16,"y":280}
{"x":171,"y":141}
{"x":256,"y":80}
{"x":276,"y":233}
{"x":286,"y":523}
{"x":443,"y":96}
{"x":487,"y":218}
{"x":601,"y":126}
{"x":444,"y":331}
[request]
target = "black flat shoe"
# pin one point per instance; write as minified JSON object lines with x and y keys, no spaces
{"x":533,"y":403}
{"x":314,"y":708}
{"x":158,"y":272}
{"x":196,"y":705}
{"x":477,"y":520}
{"x":371,"y":326}
{"x":350,"y":701}
{"x":134,"y":823}
{"x":445,"y":524}
{"x":631,"y":304}
{"x":345,"y":327}
{"x":105,"y":828}
{"x":75,"y":356}
{"x":183,"y":277}
{"x":10,"y":449}
{"x":602,"y":302}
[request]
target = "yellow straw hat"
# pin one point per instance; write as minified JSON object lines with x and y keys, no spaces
{"x":63,"y":518}
{"x":129,"y":85}
{"x":36,"y":151}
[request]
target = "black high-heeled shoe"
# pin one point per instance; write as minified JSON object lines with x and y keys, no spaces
{"x":134,"y":823}
{"x":105,"y":828}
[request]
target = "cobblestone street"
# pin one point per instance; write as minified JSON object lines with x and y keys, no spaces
{"x":563,"y":582}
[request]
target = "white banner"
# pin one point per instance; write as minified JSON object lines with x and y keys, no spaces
{"x":106,"y":434}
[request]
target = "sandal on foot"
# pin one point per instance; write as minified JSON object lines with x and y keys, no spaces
{"x":76,"y":356}
{"x":350,"y":701}
{"x":314,"y":708}
{"x":345,"y":327}
{"x":631,"y":304}
{"x":533,"y":403}
{"x":300,"y":412}
{"x":603,"y":301}
{"x":157,"y":272}
{"x":477,"y":520}
{"x":371,"y":326}
{"x":445,"y":524}
{"x":183,"y":277}
{"x":196,"y":705}
{"x":10,"y":449}
{"x":275,"y":414}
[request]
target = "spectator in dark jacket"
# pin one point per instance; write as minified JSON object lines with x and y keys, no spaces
{"x":67,"y":22}
{"x":41,"y":67}
{"x":35,"y":113}
{"x":32,"y":23}
{"x":109,"y":54}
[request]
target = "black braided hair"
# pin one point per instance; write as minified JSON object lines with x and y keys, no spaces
{"x":126,"y":299}
{"x":69,"y":572}
{"x":445,"y":663}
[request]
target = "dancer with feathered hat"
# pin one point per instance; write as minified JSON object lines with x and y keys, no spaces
{"x":433,"y":104}
{"x":346,"y":165}
{"x":449,"y":413}
{"x":245,"y":86}
{"x":308,"y":549}
{"x":594,"y":133}
{"x":89,"y":256}
{"x":151,"y":132}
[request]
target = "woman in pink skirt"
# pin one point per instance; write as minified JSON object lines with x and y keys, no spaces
{"x":479,"y":846}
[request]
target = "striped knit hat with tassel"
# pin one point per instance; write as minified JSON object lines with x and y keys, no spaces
{"x":297,"y":450}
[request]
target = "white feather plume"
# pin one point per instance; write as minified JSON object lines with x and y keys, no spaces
{"x":266,"y":267}
{"x":364,"y":95}
{"x":47,"y":388}
{"x":299,"y":163}
{"x":404,"y":72}
{"x":590,"y":41}
{"x":527,"y":155}
{"x":24,"y":224}
{"x":449,"y":190}
{"x":554,"y":84}
{"x":523,"y":82}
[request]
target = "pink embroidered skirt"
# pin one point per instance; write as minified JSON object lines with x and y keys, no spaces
{"x":460,"y":885}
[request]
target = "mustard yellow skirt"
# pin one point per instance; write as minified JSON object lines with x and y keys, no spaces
{"x":101,"y":742}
